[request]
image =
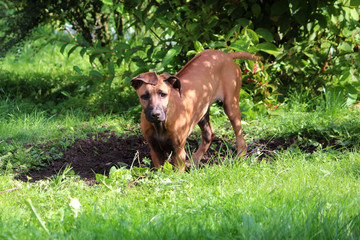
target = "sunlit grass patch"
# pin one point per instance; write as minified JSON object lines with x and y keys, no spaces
{"x":295,"y":196}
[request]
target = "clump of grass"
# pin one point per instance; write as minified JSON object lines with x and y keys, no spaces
{"x":297,"y":196}
{"x":37,"y":56}
{"x":24,"y":125}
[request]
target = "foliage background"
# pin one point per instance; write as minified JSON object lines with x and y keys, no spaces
{"x":309,"y":48}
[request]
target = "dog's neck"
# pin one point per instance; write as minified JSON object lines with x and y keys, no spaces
{"x":160,"y":128}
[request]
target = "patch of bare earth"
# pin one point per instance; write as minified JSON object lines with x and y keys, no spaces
{"x":99,"y":152}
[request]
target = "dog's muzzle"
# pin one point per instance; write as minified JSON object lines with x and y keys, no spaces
{"x":155,"y":114}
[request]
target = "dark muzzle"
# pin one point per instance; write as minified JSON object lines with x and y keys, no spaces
{"x":155,"y":114}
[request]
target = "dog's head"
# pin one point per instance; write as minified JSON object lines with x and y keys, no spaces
{"x":153,"y":91}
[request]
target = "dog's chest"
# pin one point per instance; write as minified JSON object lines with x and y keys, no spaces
{"x":162,"y":143}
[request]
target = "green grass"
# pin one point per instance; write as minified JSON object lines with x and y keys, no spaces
{"x":24,"y":123}
{"x":35,"y":125}
{"x":296,"y":196}
{"x":36,"y":56}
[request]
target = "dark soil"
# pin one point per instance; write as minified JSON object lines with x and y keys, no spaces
{"x":99,"y":152}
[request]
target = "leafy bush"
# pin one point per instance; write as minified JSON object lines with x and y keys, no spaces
{"x":307,"y":46}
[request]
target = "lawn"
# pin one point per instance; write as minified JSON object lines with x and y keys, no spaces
{"x":300,"y":179}
{"x":291,"y":194}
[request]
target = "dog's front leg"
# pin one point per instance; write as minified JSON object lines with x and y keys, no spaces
{"x":178,"y":159}
{"x":157,"y":157}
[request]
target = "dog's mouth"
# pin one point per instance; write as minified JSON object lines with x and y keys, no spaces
{"x":155,"y":115}
{"x":155,"y":119}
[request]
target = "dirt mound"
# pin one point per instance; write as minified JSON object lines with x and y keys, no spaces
{"x":99,"y":152}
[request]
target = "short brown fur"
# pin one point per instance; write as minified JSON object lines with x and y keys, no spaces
{"x":173,"y":105}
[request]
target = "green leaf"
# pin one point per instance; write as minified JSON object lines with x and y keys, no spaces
{"x":138,"y":13}
{"x":231,"y":32}
{"x":348,"y":77}
{"x":100,"y":178}
{"x":355,"y":3}
{"x":82,"y":52}
{"x":279,"y":8}
{"x":240,"y":46}
{"x":217,"y":44}
{"x":284,"y":23}
{"x":167,"y":168}
{"x":135,"y":73}
{"x":119,"y":60}
{"x":108,"y":2}
{"x":191,"y":27}
{"x":191,"y":52}
{"x":121,"y":46}
{"x":72,"y":50}
{"x":252,"y":35}
{"x":65,"y":93}
{"x":93,"y":57}
{"x":351,"y":99}
{"x":313,"y":36}
{"x":268,"y":48}
{"x":265,"y":34}
{"x":244,"y":22}
{"x":65,"y":39}
{"x":129,"y":53}
{"x":170,"y":56}
{"x":77,"y":69}
{"x":198,"y":46}
{"x":354,"y":15}
{"x":139,"y":61}
{"x":62,"y":49}
{"x":41,"y":31}
{"x":103,"y":49}
{"x":95,"y":74}
{"x":76,"y":78}
{"x":149,"y":24}
{"x":111,"y":68}
{"x":162,"y":22}
{"x":256,"y":9}
{"x":148,"y":41}
{"x":150,"y":51}
{"x":84,"y":42}
{"x":302,"y":15}
{"x":312,"y":57}
{"x":119,"y":7}
{"x":112,"y":171}
{"x":294,"y":4}
{"x":109,"y":81}
{"x":322,"y":20}
{"x":345,"y":47}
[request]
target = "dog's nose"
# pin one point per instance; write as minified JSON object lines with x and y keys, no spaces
{"x":155,"y":114}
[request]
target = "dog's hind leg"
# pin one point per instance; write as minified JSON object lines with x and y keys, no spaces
{"x":207,"y":135}
{"x":232,"y":110}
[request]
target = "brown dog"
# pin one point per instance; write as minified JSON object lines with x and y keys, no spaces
{"x":173,"y":105}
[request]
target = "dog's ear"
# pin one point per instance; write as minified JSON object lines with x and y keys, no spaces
{"x":149,"y":78}
{"x":173,"y":80}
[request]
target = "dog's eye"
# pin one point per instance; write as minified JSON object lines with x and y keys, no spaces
{"x":163,"y":94}
{"x":145,"y":97}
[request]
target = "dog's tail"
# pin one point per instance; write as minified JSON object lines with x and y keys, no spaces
{"x":245,"y":55}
